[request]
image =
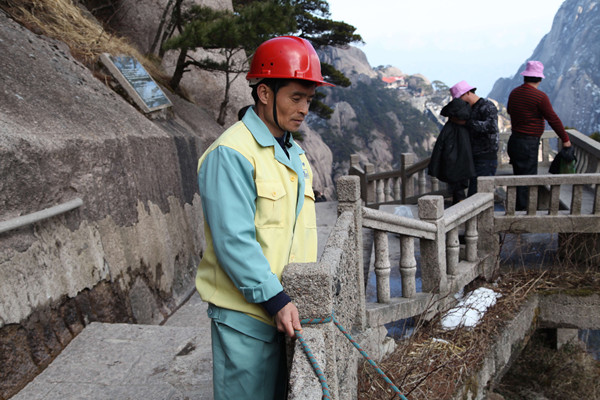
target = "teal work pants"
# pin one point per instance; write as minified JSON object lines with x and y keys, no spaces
{"x":245,"y":367}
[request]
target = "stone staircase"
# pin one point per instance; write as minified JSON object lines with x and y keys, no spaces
{"x":123,"y":361}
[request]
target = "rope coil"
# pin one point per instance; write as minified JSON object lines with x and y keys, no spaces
{"x":317,"y":368}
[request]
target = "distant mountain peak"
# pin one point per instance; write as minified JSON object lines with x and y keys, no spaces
{"x":570,"y":53}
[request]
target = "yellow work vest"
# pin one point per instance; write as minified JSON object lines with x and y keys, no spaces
{"x":283,"y":238}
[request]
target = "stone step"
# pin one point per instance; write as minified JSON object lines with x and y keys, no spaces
{"x":122,"y":361}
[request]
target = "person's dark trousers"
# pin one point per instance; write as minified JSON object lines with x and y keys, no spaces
{"x":483,"y":167}
{"x":458,"y":190}
{"x":523,"y":153}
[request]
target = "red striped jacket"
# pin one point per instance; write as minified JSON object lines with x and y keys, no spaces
{"x":528,"y":108}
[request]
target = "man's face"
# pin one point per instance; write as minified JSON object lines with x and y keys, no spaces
{"x":293,"y":101}
{"x":468,"y":97}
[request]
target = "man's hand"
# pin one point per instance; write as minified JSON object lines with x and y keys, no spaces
{"x":567,"y":144}
{"x":287,"y":320}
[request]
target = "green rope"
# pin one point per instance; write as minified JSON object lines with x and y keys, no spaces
{"x":315,"y":364}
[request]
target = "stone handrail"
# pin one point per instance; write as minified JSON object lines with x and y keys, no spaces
{"x":587,"y":151}
{"x":444,"y":268}
{"x":410,"y":182}
{"x":336,"y":282}
{"x":333,"y":284}
{"x":544,"y":213}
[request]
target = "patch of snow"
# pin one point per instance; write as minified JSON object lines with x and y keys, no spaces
{"x":470,"y":309}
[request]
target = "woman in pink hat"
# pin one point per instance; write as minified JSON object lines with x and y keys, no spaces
{"x":482,"y":125}
{"x":529,"y":109}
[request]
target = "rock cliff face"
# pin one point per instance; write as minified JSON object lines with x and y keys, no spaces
{"x":373,"y":119}
{"x":129,"y":254}
{"x":571,"y":55}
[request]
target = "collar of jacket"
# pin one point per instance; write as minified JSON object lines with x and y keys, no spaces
{"x":263,"y":135}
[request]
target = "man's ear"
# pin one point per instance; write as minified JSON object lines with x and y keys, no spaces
{"x":263,"y":93}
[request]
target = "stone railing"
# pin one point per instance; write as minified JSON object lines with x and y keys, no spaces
{"x":336,"y":282}
{"x":410,"y":182}
{"x":546,"y":153}
{"x":587,"y":152}
{"x":544,"y":212}
{"x":402,"y":186}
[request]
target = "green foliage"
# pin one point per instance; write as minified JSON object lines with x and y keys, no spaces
{"x":315,"y":24}
{"x":229,"y":34}
{"x":222,"y":29}
{"x":439,"y":86}
{"x":298,"y":136}
{"x":319,"y":108}
{"x":595,"y":136}
{"x":334,"y":76}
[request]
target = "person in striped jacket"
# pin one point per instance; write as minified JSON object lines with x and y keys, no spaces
{"x":529,"y":109}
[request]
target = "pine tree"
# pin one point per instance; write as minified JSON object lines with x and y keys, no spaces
{"x":231,"y":36}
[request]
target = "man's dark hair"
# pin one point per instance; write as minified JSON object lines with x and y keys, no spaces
{"x":532,"y":79}
{"x":242,"y":112}
{"x":276,"y":84}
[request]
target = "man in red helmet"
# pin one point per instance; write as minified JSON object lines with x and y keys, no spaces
{"x":258,"y":203}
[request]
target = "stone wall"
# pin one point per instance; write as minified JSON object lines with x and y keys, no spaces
{"x":129,"y":253}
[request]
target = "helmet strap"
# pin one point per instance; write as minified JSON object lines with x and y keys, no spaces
{"x":275,"y":88}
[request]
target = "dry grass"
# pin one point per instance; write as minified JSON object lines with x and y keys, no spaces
{"x":65,"y":21}
{"x":423,"y":367}
{"x":566,"y":374}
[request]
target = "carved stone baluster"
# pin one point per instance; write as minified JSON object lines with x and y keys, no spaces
{"x":435,"y":184}
{"x":452,"y":251}
{"x":397,"y":188}
{"x":408,"y":190}
{"x":576,"y":199}
{"x":388,"y":189}
{"x":382,"y":267}
{"x":380,"y":191}
{"x":372,"y":185}
{"x":422,"y":182}
{"x":408,"y":266}
{"x":471,"y":238}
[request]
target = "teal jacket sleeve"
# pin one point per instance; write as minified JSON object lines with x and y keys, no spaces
{"x":228,"y":195}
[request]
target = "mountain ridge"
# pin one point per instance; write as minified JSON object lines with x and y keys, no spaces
{"x":572,"y":79}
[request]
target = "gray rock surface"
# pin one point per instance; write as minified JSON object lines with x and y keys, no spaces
{"x":570,"y":53}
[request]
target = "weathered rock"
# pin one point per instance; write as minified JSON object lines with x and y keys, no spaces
{"x":65,"y":135}
{"x":572,"y":80}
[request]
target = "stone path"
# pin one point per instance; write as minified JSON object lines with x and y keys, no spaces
{"x":150,"y":362}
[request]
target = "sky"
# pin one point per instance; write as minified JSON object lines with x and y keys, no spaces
{"x":473,"y":40}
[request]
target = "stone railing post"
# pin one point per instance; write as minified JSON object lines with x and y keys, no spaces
{"x":452,"y":251}
{"x":310,"y":287}
{"x":382,"y":267}
{"x":408,"y":266}
{"x":356,"y":170}
{"x":433,"y":252}
{"x":408,"y":190}
{"x":371,"y":187}
{"x":488,"y":247}
{"x":348,"y":190}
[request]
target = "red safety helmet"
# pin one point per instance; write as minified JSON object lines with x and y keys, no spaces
{"x":286,"y":57}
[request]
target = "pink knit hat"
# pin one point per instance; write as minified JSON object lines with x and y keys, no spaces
{"x":534,"y":69}
{"x":460,"y":88}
